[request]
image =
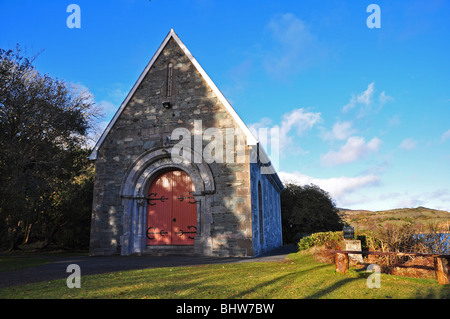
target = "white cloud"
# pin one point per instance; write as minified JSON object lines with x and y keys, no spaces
{"x":340,"y":131}
{"x":116,"y":92}
{"x":298,"y":121}
{"x":445,"y":136}
{"x":263,"y":123}
{"x":409,"y":202}
{"x":394,"y":121}
{"x":377,"y":169}
{"x":383,"y":98}
{"x":437,"y":199}
{"x":337,"y":187}
{"x":364,"y":98}
{"x":408,"y":144}
{"x":108,"y":108}
{"x":366,"y":101}
{"x":354,"y":149}
{"x":441,"y":194}
{"x":296,"y":46}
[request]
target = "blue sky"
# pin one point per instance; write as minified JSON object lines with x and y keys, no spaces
{"x":363,"y":113}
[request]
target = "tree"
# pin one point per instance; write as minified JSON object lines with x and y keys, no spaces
{"x":44,"y":124}
{"x":307,"y":209}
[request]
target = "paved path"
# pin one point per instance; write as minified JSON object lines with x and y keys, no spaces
{"x":97,"y":265}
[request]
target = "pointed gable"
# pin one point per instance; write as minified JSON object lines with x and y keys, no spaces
{"x":172,"y":95}
{"x":250,"y":138}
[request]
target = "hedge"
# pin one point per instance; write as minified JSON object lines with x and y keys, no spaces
{"x":333,"y":240}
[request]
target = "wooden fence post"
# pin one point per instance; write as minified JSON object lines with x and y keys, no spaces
{"x":441,"y":266}
{"x":341,"y":261}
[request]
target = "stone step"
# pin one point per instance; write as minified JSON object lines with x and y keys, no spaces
{"x":169,"y":250}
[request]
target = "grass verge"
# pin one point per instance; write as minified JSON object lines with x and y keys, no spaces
{"x":11,"y":261}
{"x":21,"y":262}
{"x":300,"y":276}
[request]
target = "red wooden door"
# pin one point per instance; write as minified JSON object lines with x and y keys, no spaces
{"x":171,"y":210}
{"x":159,"y":211}
{"x":184,"y":210}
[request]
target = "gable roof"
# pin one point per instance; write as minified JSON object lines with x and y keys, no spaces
{"x":251,"y":139}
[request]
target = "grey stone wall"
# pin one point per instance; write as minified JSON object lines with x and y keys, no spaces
{"x":271,"y":208}
{"x":144,"y":125}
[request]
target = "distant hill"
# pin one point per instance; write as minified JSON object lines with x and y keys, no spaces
{"x":366,"y":219}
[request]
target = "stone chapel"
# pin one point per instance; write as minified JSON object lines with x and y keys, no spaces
{"x":178,"y":172}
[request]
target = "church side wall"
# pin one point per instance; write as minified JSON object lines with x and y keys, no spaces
{"x":271,"y":211}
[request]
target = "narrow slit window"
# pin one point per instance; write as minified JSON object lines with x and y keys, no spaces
{"x":261,"y":215}
{"x":169,"y":79}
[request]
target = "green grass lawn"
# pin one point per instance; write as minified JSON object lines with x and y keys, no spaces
{"x":300,"y":276}
{"x":26,"y":259}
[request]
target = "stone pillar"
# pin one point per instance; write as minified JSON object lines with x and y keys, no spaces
{"x":341,"y":262}
{"x":126,"y":222}
{"x":140,"y":237}
{"x":133,"y":239}
{"x":203,"y":241}
{"x":354,"y":245}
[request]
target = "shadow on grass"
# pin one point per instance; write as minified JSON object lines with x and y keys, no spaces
{"x":202,"y":282}
{"x":443,"y":293}
{"x":331,"y":288}
{"x":361,"y":273}
{"x":279,"y":280}
{"x":196,"y":283}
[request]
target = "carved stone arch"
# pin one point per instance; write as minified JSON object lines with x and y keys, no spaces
{"x":134,"y":190}
{"x":157,"y":159}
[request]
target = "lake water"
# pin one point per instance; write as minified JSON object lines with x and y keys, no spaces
{"x":444,"y":238}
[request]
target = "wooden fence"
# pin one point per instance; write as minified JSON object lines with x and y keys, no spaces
{"x":441,"y":262}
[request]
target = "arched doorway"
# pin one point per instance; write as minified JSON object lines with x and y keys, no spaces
{"x":171,"y":210}
{"x":135,"y":190}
